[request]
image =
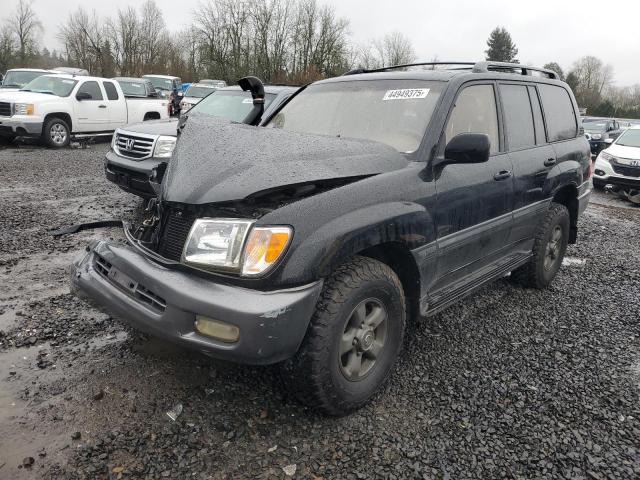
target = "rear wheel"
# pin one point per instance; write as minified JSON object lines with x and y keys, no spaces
{"x":56,"y":133}
{"x":549,"y":247}
{"x":353,"y":341}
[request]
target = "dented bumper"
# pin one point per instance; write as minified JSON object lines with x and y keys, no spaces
{"x":165,"y":302}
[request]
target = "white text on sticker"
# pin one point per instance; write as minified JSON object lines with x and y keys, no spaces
{"x":406,"y":94}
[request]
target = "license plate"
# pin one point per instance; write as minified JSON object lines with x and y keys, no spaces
{"x":119,"y":278}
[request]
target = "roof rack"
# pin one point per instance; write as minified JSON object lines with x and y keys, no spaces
{"x":475,"y":67}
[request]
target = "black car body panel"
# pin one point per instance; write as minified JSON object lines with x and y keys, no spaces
{"x":447,"y":227}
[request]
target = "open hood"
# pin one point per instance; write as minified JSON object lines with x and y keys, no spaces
{"x":217,"y":161}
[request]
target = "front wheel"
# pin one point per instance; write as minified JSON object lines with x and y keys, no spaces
{"x":549,"y":247}
{"x":56,"y":133}
{"x":353,"y":341}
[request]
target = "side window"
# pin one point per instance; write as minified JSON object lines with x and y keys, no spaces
{"x":92,"y":88}
{"x":541,"y":137}
{"x":110,"y":88}
{"x":475,"y":112}
{"x":558,"y":112}
{"x":518,"y":117}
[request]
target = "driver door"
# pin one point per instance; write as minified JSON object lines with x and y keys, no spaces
{"x":92,"y":114}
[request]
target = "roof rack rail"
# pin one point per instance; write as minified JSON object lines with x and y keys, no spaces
{"x":468,"y":65}
{"x":475,"y":67}
{"x":488,"y":66}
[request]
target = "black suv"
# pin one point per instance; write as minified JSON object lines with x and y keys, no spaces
{"x":367,"y":201}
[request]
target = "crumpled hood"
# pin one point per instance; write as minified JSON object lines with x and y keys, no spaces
{"x":167,"y":126}
{"x":216,"y":160}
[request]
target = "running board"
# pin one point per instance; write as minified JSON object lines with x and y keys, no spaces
{"x":91,"y":135}
{"x":447,"y":299}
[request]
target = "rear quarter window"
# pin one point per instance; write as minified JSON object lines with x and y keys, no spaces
{"x":558,"y":112}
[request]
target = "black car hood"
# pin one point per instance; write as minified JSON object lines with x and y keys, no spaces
{"x":168,"y":126}
{"x":237,"y":160}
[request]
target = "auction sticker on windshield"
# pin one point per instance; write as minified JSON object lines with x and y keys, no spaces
{"x":406,"y":94}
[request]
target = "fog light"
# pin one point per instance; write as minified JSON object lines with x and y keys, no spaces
{"x":599,"y":172}
{"x":222,"y":331}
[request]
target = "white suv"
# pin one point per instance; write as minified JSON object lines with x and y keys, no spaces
{"x":619,"y":165}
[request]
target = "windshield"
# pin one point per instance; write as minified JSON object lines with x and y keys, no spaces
{"x":198,"y":92}
{"x":592,"y":126}
{"x":59,"y":86}
{"x":629,"y":138}
{"x":133,"y":89}
{"x":19,"y":79}
{"x":161,"y":83}
{"x":394,"y":112}
{"x":232,"y":104}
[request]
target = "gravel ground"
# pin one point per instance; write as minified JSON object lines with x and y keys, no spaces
{"x":511,"y":383}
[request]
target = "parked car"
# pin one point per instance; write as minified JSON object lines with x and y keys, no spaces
{"x":195,"y":93}
{"x":619,"y":165}
{"x":17,"y":78}
{"x":56,"y":107}
{"x":129,"y":165}
{"x":366,"y":200}
{"x":598,"y":130}
{"x":164,"y":84}
{"x":215,"y":83}
{"x":72,"y":71}
{"x":137,"y":87}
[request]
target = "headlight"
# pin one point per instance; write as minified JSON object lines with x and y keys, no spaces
{"x":114,"y":138}
{"x":606,"y":156}
{"x":264,"y":247}
{"x":164,"y":147}
{"x":596,"y":136}
{"x":232,"y":245}
{"x":216,"y":243}
{"x":23,"y":108}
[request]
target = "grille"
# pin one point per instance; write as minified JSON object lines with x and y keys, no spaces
{"x":175,"y":229}
{"x":627,"y":171}
{"x":137,"y":147}
{"x":137,"y":291}
{"x":5,"y":109}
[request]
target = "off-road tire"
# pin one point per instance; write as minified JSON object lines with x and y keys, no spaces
{"x":47,"y":137}
{"x":315,"y":375}
{"x":533,"y":274}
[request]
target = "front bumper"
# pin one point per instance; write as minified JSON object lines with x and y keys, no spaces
{"x":131,"y":175}
{"x":604,"y":174}
{"x":165,"y":302}
{"x":21,"y":126}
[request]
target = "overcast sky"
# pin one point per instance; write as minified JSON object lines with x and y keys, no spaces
{"x":454,"y":30}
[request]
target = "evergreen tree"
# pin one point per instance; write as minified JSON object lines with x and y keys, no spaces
{"x":501,"y":47}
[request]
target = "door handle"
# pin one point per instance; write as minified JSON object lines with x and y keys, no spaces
{"x":502,"y":175}
{"x":549,"y":161}
{"x":102,"y":106}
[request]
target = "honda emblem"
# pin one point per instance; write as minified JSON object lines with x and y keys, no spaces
{"x":130,"y":143}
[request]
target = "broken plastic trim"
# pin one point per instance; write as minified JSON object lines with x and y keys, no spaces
{"x":86,"y":226}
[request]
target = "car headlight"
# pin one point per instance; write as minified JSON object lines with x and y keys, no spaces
{"x":596,"y":136}
{"x":233,"y":245}
{"x":164,"y":146}
{"x":606,"y":156}
{"x":23,"y":108}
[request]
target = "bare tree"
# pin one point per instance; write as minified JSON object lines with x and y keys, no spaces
{"x":591,"y":77}
{"x":394,"y":49}
{"x":26,"y":28}
{"x":7,"y":48}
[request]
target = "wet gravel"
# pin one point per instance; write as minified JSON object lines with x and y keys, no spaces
{"x":510,"y":383}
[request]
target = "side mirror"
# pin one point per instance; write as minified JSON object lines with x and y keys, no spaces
{"x":467,"y":148}
{"x":83,"y":96}
{"x":608,"y":141}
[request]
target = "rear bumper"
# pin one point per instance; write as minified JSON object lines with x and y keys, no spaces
{"x":131,"y":175}
{"x":20,"y":126}
{"x":272,"y":324}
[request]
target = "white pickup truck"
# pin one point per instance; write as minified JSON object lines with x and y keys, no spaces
{"x":58,"y":107}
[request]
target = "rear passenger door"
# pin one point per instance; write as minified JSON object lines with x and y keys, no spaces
{"x":115,"y":105}
{"x":531,"y":156}
{"x":474,"y":201}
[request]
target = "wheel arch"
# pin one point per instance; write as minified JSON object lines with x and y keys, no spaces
{"x":151,"y":116}
{"x":62,"y":116}
{"x":567,"y":195}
